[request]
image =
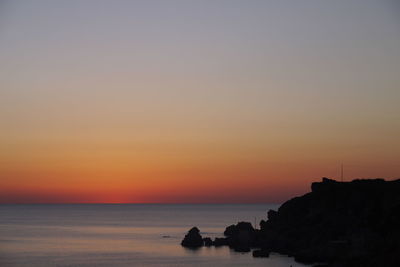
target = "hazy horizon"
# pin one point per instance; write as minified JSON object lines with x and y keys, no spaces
{"x":184,"y":101}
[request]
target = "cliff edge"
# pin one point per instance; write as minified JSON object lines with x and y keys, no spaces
{"x":353,"y":223}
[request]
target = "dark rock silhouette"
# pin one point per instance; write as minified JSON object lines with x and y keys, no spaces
{"x":233,"y":230}
{"x":353,"y":223}
{"x":346,"y":223}
{"x":241,"y":237}
{"x":207,"y":242}
{"x":261,"y":253}
{"x":220,"y":242}
{"x":230,"y":230}
{"x":193,"y":239}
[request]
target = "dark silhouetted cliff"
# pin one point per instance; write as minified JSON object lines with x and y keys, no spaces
{"x":353,"y":223}
{"x":338,"y":223}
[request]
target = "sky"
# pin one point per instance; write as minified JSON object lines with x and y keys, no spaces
{"x":195,"y":101}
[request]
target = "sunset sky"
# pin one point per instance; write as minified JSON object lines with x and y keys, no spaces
{"x":195,"y":101}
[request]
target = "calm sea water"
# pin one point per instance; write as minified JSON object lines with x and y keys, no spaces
{"x":122,"y":235}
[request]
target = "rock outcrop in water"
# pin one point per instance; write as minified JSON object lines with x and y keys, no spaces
{"x":338,"y":223}
{"x":241,"y":237}
{"x":193,"y":239}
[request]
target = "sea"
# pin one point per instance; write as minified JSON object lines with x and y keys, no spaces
{"x":119,"y":235}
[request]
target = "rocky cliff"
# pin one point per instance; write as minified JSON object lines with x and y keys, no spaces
{"x":353,"y":223}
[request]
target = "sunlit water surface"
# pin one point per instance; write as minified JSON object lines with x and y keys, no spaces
{"x":122,"y":235}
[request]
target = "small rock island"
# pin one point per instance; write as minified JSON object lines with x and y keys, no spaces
{"x":353,"y":223}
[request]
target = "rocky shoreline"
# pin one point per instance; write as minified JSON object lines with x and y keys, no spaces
{"x":353,"y":223}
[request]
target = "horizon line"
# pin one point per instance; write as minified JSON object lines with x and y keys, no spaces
{"x":140,"y":203}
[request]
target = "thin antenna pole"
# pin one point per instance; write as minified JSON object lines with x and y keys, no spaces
{"x":341,"y":172}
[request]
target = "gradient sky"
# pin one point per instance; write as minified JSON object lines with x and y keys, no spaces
{"x":195,"y":101}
